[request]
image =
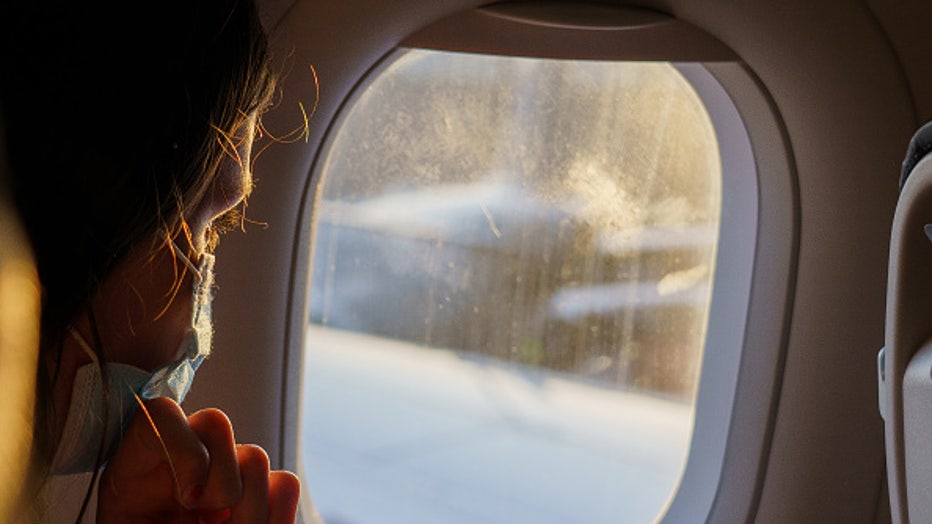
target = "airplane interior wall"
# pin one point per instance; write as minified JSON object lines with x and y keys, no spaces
{"x":850,"y":88}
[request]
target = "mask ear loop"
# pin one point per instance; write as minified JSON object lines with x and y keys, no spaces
{"x":177,"y":253}
{"x":84,"y":345}
{"x":203,"y":271}
{"x":187,"y":261}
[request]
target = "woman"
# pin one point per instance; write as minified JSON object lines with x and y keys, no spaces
{"x":130,"y":133}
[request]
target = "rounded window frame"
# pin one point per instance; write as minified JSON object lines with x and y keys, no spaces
{"x":749,"y":314}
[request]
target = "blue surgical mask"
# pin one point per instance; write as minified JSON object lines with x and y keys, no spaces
{"x":87,"y":424}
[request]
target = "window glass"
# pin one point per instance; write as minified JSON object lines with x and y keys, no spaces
{"x":512,"y":268}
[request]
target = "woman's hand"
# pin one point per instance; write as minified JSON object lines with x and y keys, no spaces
{"x":209,"y":478}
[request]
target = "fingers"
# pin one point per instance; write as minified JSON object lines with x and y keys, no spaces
{"x":254,"y":468}
{"x":159,"y":460}
{"x":268,"y":496}
{"x":284,"y":494}
{"x":224,"y":486}
{"x":166,"y":458}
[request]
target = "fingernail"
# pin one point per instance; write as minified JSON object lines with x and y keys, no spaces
{"x":192,"y":495}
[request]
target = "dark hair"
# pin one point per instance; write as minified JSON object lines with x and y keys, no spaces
{"x":117,"y":115}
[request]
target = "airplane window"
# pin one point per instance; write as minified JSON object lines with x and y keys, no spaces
{"x":512,"y":271}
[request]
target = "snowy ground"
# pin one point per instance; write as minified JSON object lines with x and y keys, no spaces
{"x":394,"y":433}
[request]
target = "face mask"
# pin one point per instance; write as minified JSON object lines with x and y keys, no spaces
{"x":87,"y":422}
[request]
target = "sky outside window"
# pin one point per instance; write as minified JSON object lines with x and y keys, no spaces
{"x":513,"y":261}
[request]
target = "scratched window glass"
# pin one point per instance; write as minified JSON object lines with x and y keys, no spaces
{"x":512,"y":267}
